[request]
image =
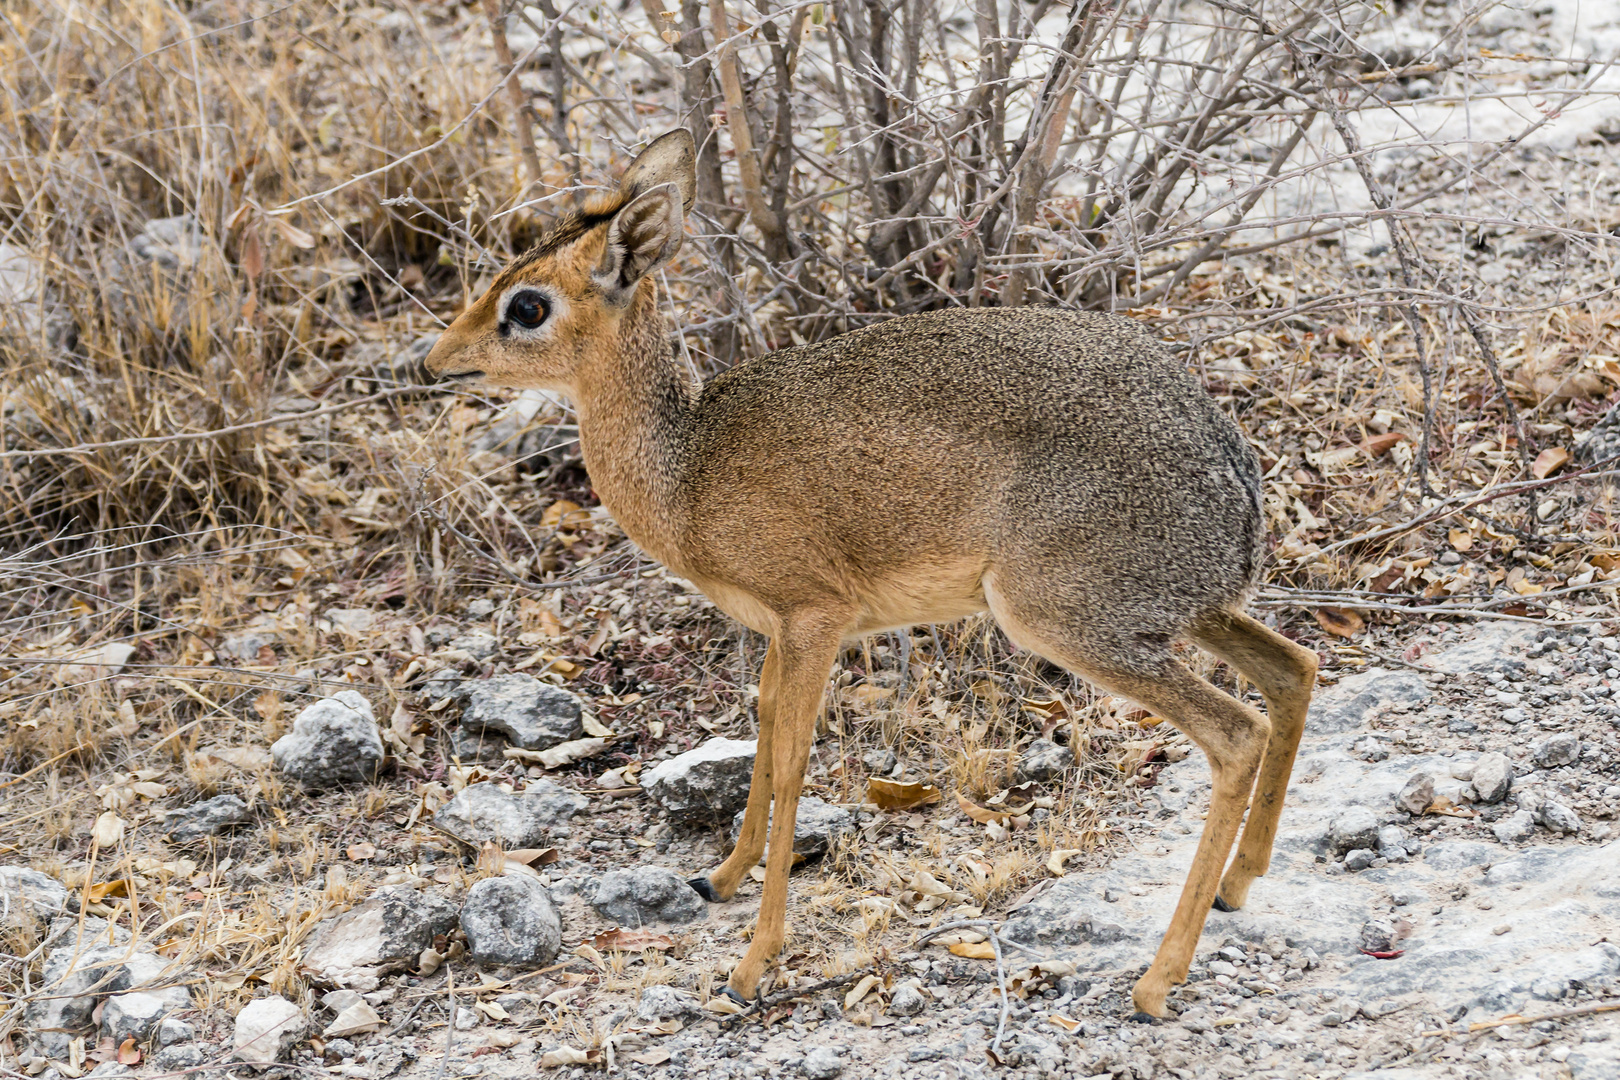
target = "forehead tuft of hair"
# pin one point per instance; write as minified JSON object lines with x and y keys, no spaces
{"x":596,"y":211}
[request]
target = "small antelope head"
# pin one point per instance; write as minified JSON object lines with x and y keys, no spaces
{"x":560,"y":303}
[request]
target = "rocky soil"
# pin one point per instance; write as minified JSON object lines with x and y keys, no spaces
{"x":1447,"y":859}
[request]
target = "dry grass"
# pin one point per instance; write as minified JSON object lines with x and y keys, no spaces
{"x":430,"y":515}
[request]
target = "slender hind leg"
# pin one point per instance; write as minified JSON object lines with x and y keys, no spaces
{"x":1230,"y":733}
{"x":806,"y":647}
{"x":1285,"y":673}
{"x":722,"y":883}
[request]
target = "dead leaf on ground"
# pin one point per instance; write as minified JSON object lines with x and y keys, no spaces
{"x":1340,"y":622}
{"x":633,"y":940}
{"x":362,"y":851}
{"x":101,"y":890}
{"x":980,"y":814}
{"x":562,"y":754}
{"x":1067,"y":1023}
{"x":1059,"y":857}
{"x":129,"y":1053}
{"x":1054,"y":709}
{"x":1378,"y":445}
{"x":1549,"y":461}
{"x":1461,"y":539}
{"x":860,"y":990}
{"x":978,"y":950}
{"x":657,"y":1055}
{"x":892,"y":795}
{"x":533,"y":856}
{"x":1444,"y":806}
{"x":722,"y":1005}
{"x":108,"y":830}
{"x":564,"y":1055}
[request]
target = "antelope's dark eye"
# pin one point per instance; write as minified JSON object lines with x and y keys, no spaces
{"x":528,"y":309}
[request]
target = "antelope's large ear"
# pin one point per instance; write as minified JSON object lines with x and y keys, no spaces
{"x":642,"y":236}
{"x":669,"y":159}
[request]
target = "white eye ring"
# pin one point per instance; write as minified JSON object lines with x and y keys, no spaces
{"x":550,"y":304}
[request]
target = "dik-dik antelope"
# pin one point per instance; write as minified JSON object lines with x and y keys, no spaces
{"x":1056,"y":468}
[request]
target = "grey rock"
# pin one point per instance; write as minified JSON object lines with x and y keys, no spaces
{"x":171,"y":1031}
{"x":1450,"y":855}
{"x":1555,"y":750}
{"x":1391,"y":838}
{"x":485,"y":812}
{"x":1518,"y":826}
{"x":1418,"y":793}
{"x":647,"y":894}
{"x":332,"y":742}
{"x":1370,"y":748}
{"x":266,"y":1029}
{"x":386,"y":933}
{"x":247,"y":645}
{"x":1043,"y":761}
{"x":468,"y":746}
{"x":907,"y":1000}
{"x":533,"y":715}
{"x":1378,"y":936}
{"x":134,"y":1015}
{"x":1558,"y":817}
{"x":177,"y":1057}
{"x":207,"y":818}
{"x":815,"y":825}
{"x":445,"y":683}
{"x":81,"y":971}
{"x":1348,"y":705}
{"x":706,"y":784}
{"x":28,"y":896}
{"x":511,"y":920}
{"x":1068,"y":913}
{"x":822,"y":1063}
{"x":659,"y":1003}
{"x":1355,"y":827}
{"x":1493,"y":777}
{"x":1359,"y":859}
{"x":481,"y":645}
{"x":1603,"y":441}
{"x":174,"y":243}
{"x":880,"y":761}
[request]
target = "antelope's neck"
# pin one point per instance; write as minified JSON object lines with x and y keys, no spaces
{"x":635,"y":413}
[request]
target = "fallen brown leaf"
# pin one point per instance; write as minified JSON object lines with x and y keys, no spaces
{"x":980,"y":950}
{"x":362,"y":851}
{"x":891,"y":795}
{"x":1339,"y":622}
{"x":1549,"y":461}
{"x":980,"y":814}
{"x":1378,"y":445}
{"x":633,"y":940}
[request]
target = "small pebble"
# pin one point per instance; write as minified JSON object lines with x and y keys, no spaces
{"x":1500,"y":930}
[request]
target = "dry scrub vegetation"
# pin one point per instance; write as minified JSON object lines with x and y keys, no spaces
{"x":226,"y":227}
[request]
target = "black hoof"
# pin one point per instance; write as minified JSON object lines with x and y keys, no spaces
{"x":1142,"y":1018}
{"x":733,"y":995}
{"x":1222,"y":905}
{"x":701,"y":886}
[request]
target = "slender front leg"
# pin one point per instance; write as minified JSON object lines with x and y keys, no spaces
{"x":809,"y":645}
{"x":723,"y":882}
